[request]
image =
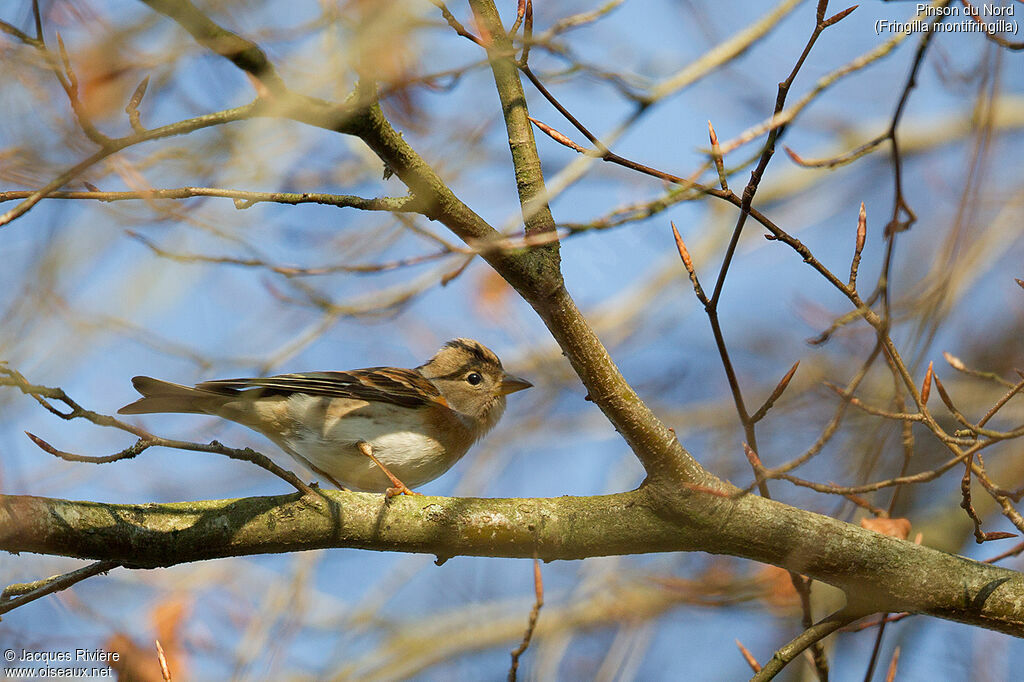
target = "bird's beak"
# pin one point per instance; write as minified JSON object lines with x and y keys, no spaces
{"x":511,"y":384}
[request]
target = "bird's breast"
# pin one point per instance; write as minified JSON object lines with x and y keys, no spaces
{"x":416,"y":444}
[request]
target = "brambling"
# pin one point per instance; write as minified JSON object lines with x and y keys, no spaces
{"x":365,"y":428}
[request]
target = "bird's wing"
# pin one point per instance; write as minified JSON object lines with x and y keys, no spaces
{"x":404,"y":387}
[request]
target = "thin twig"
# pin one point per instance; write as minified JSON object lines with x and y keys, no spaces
{"x":538,"y":590}
{"x":748,"y":657}
{"x":795,"y":647}
{"x":165,"y":671}
{"x":455,"y":23}
{"x":44,"y":394}
{"x":20,"y":594}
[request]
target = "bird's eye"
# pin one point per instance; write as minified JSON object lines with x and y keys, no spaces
{"x":474,"y":378}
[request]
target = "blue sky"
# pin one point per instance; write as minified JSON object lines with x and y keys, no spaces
{"x":87,"y":307}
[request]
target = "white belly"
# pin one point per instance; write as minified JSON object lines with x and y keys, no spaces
{"x":326,"y":439}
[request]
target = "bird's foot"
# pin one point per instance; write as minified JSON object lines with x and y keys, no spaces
{"x":399,"y":487}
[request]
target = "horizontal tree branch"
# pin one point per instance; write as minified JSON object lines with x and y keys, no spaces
{"x":877,"y":572}
{"x":243,"y":198}
{"x":116,"y":145}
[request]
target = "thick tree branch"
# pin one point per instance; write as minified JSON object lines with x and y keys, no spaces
{"x":877,"y":572}
{"x":654,"y":444}
{"x":525,"y":160}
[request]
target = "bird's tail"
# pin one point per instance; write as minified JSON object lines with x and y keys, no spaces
{"x":163,"y":396}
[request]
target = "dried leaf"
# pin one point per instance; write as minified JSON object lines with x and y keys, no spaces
{"x":897,"y":528}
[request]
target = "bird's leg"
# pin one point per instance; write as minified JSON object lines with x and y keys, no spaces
{"x":399,"y":487}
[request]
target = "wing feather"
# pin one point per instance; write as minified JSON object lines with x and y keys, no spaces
{"x":404,"y":387}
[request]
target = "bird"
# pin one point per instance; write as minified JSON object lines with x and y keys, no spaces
{"x":378,"y":429}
